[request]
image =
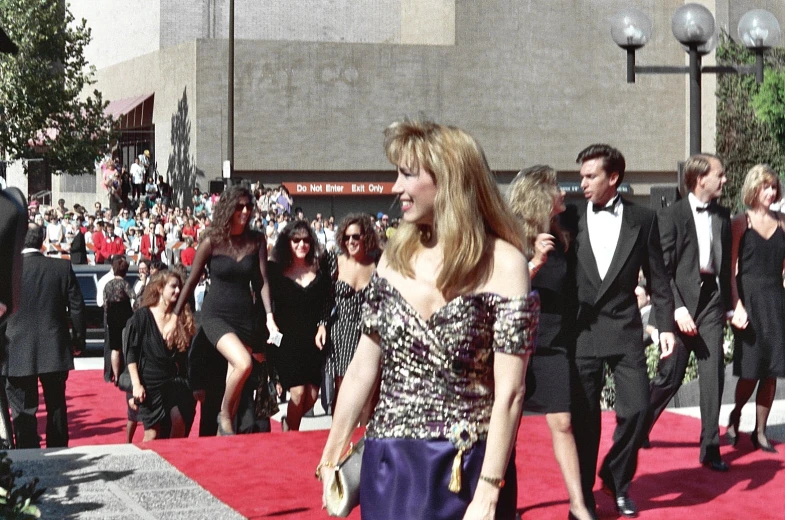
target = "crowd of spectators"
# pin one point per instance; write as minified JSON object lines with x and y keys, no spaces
{"x":149,"y":224}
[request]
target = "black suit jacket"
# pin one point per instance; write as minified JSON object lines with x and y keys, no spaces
{"x":682,"y":256}
{"x":38,"y":340}
{"x":78,"y":250}
{"x":13,"y":225}
{"x":609,"y":322}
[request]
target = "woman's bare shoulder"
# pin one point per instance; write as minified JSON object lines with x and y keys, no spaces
{"x":510,"y":276}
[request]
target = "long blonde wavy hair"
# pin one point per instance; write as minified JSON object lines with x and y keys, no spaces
{"x":531,"y":196}
{"x":469,"y":210}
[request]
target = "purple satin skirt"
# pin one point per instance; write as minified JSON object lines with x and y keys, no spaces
{"x":407,"y":478}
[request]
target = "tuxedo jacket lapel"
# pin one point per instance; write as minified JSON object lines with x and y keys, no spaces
{"x":716,"y":240}
{"x":628,"y":236}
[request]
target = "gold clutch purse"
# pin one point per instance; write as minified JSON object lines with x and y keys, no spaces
{"x":343,"y":492}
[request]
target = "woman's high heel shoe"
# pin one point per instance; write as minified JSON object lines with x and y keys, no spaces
{"x":758,"y":445}
{"x":221,"y":432}
{"x":732,"y":433}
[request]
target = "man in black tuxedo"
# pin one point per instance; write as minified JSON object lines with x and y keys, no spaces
{"x":696,"y":240}
{"x":39,"y":343}
{"x":13,"y":223}
{"x":615,"y":239}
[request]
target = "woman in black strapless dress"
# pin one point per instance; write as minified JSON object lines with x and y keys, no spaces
{"x":758,"y":259}
{"x":237,"y":259}
{"x":537,"y":200}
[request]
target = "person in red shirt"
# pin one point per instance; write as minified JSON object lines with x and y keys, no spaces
{"x":188,"y":253}
{"x":152,"y":244}
{"x":189,"y":229}
{"x":99,"y":238}
{"x":113,"y":245}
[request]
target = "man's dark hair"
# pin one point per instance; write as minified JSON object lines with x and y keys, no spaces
{"x":35,"y":237}
{"x":612,"y":159}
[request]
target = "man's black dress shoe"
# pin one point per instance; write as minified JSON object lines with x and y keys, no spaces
{"x":716,"y":465}
{"x":626,"y":507}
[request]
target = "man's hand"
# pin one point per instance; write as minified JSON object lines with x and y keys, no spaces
{"x":3,"y":309}
{"x":667,"y":344}
{"x":686,"y":325}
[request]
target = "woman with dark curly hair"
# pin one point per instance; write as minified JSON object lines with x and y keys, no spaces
{"x":157,"y":360}
{"x":237,"y":259}
{"x":301,"y":296}
{"x":350,"y":268}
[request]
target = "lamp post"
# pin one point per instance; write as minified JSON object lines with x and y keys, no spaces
{"x":230,"y":118}
{"x":693,"y":26}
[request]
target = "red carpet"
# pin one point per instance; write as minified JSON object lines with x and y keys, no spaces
{"x":271,"y":475}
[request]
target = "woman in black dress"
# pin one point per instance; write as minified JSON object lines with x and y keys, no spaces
{"x":237,"y":259}
{"x":301,"y":298}
{"x":157,"y":359}
{"x":350,"y":270}
{"x":537,"y":200}
{"x":758,"y":259}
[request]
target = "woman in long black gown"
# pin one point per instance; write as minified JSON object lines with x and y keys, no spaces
{"x":301,"y":299}
{"x":537,"y":200}
{"x":157,"y":343}
{"x":237,"y":258}
{"x":758,"y":260}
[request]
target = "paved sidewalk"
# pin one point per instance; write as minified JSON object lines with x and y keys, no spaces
{"x":117,"y":482}
{"x":776,"y":425}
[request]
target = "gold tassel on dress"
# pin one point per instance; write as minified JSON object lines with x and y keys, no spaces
{"x":455,"y":477}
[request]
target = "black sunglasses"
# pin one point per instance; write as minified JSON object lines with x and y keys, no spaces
{"x":240,"y":207}
{"x":301,"y":239}
{"x":356,"y":237}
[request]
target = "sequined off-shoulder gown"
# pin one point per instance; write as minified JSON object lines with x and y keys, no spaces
{"x":436,"y":397}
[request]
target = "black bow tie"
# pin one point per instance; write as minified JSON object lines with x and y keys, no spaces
{"x":610,"y":208}
{"x":702,"y":209}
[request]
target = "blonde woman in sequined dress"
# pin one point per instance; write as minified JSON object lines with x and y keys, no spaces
{"x":448,"y":324}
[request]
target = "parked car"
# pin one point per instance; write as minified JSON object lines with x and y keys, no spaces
{"x":88,"y":276}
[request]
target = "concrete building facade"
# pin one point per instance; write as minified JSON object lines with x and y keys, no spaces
{"x":317,"y":81}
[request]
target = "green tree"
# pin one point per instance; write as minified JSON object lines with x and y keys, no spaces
{"x":769,"y":103}
{"x":743,"y":138}
{"x":45,"y":111}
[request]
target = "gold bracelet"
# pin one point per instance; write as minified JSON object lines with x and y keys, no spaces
{"x":495,"y":482}
{"x":326,"y":464}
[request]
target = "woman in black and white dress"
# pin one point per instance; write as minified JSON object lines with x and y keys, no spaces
{"x":351,"y":268}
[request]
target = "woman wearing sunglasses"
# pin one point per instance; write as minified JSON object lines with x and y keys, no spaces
{"x":301,"y":298}
{"x":350,"y":269}
{"x":237,"y":259}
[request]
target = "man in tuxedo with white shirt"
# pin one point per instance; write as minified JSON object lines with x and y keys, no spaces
{"x":696,"y":240}
{"x":615,"y":239}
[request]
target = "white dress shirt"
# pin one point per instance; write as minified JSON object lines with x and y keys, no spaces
{"x":702,"y":221}
{"x":604,"y":229}
{"x":703,"y":228}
